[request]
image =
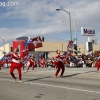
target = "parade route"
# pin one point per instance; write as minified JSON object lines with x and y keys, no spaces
{"x":40,"y":84}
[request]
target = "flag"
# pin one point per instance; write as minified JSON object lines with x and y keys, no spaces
{"x":27,"y":42}
{"x":3,"y":58}
{"x":37,"y":42}
{"x":39,"y":55}
{"x":33,"y":43}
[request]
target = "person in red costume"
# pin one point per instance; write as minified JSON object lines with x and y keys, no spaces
{"x":43,"y":63}
{"x":1,"y":64}
{"x":54,"y":62}
{"x":59,"y":65}
{"x":30,"y":63}
{"x":16,"y":64}
{"x":98,"y":63}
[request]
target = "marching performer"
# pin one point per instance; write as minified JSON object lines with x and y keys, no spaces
{"x":54,"y":62}
{"x":1,"y":64}
{"x":60,"y":64}
{"x":39,"y":62}
{"x":30,"y":62}
{"x":98,"y":64}
{"x":2,"y":61}
{"x":16,"y":64}
{"x":43,"y":63}
{"x":39,"y":58}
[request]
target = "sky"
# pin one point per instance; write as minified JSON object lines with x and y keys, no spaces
{"x":34,"y":18}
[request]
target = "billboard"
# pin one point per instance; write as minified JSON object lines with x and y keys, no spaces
{"x":86,"y":31}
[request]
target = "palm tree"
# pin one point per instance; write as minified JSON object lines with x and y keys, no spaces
{"x":93,"y":41}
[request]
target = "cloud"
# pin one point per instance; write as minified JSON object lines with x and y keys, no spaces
{"x":41,"y":17}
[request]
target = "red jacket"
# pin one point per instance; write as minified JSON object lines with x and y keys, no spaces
{"x":98,"y":63}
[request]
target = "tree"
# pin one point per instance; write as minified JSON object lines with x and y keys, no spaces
{"x":93,"y":41}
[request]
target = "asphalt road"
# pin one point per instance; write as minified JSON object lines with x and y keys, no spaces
{"x":40,"y":84}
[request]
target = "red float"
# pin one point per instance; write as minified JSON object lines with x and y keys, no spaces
{"x":19,"y":43}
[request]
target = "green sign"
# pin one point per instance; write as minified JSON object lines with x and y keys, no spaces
{"x":75,"y":39}
{"x":4,"y":52}
{"x":78,"y":51}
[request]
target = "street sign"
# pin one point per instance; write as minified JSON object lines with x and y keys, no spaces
{"x":75,"y":39}
{"x":4,"y":52}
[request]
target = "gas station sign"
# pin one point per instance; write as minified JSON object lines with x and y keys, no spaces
{"x":85,"y":31}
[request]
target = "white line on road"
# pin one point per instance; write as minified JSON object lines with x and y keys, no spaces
{"x":56,"y":86}
{"x":6,"y":79}
{"x":64,"y":87}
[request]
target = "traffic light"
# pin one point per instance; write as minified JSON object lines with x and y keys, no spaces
{"x":75,"y":46}
{"x":42,"y":39}
{"x":90,"y":46}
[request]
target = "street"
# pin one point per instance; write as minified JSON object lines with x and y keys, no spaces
{"x":40,"y":84}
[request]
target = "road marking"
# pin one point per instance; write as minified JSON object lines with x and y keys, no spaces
{"x":6,"y":80}
{"x":62,"y":87}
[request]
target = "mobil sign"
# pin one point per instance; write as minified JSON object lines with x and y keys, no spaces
{"x":87,"y":31}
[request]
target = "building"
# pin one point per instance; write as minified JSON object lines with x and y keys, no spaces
{"x":62,"y":46}
{"x":51,"y":47}
{"x":6,"y":48}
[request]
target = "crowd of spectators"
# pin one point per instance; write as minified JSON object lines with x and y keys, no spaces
{"x":78,"y":61}
{"x":74,"y":61}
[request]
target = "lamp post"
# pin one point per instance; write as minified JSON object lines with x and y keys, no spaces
{"x":3,"y":46}
{"x":75,"y":39}
{"x":69,"y":20}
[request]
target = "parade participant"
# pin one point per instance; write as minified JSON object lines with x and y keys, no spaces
{"x":23,"y":63}
{"x":5,"y":61}
{"x":43,"y":63}
{"x":39,"y":62}
{"x":39,"y":57}
{"x":16,"y":64}
{"x":30,"y":62}
{"x":60,"y":65}
{"x":54,"y":62}
{"x":1,"y":64}
{"x":98,"y":63}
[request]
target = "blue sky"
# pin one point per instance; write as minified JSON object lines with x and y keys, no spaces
{"x":39,"y":18}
